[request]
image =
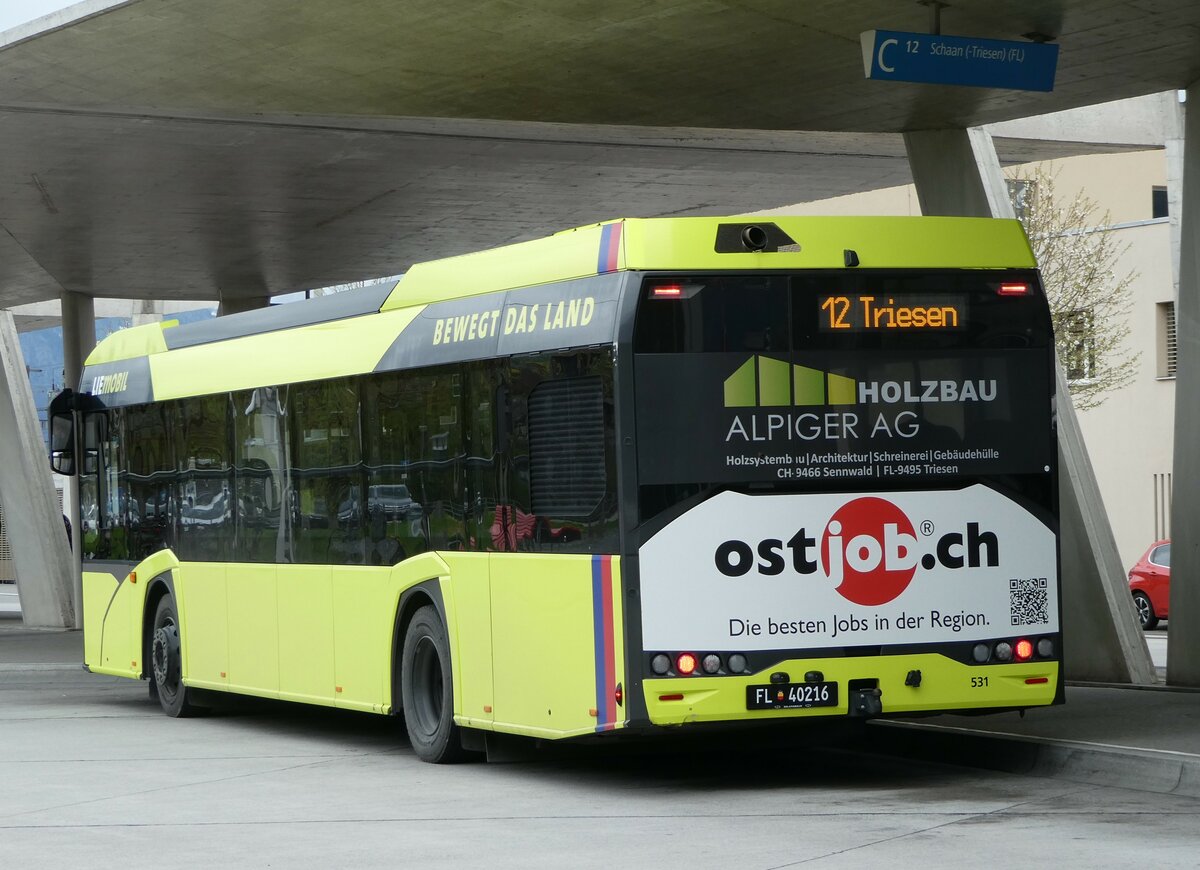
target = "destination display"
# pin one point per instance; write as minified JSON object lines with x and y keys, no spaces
{"x":871,"y":312}
{"x":826,"y":417}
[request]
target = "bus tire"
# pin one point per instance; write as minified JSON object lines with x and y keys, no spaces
{"x":166,"y":659}
{"x":427,"y":690}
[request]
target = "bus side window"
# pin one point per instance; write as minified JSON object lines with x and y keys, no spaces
{"x":89,"y":486}
{"x":203,"y":488}
{"x":260,"y":471}
{"x":148,"y":480}
{"x":326,"y":472}
{"x":562,"y":476}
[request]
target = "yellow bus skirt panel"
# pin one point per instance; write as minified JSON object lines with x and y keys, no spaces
{"x":466,"y":593}
{"x":204,"y":630}
{"x":255,"y":614}
{"x":305,"y":644}
{"x":108,"y":625}
{"x":559,"y":653}
{"x":946,"y":685}
{"x":114,"y":614}
{"x":363,"y":617}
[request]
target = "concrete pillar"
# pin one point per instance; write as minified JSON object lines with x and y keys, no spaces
{"x":146,"y":311}
{"x":1183,"y":643}
{"x":79,"y":337}
{"x":31,"y":517}
{"x":236,"y":305}
{"x":957,"y":173}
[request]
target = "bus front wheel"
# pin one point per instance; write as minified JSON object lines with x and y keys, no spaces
{"x":166,"y":658}
{"x":427,"y":690}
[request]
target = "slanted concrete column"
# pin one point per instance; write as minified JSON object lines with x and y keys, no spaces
{"x":31,"y":518}
{"x":238,"y":304}
{"x":1183,"y":644}
{"x":79,"y":337}
{"x":957,"y":173}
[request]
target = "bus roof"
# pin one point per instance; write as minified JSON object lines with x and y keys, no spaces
{"x":641,"y":244}
{"x":333,"y":335}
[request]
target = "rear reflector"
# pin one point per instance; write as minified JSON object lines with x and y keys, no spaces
{"x":1033,"y":681}
{"x":678,"y":697}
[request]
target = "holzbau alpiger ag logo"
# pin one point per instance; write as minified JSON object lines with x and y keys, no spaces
{"x":763,"y":382}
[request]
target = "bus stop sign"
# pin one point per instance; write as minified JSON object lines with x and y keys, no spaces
{"x":933,"y":59}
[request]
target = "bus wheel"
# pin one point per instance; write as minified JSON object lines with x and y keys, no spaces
{"x":427,"y":690}
{"x":166,"y":659}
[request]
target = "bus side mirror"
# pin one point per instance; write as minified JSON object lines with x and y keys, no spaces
{"x":62,"y":434}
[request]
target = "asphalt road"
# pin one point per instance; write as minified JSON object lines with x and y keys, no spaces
{"x":91,"y":774}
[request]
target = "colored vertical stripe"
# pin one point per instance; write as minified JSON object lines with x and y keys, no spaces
{"x":610,"y":246}
{"x":605,"y":642}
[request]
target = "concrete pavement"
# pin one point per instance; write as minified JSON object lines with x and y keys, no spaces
{"x":1143,"y":738}
{"x":91,"y":773}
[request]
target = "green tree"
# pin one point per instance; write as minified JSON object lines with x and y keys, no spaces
{"x":1090,"y":298}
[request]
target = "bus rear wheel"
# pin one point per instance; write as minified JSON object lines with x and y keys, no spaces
{"x":427,"y":690}
{"x":166,"y":659}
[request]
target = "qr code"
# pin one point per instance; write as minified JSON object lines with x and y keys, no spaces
{"x":1027,"y":601}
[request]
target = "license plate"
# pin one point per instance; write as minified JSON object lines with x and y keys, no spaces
{"x":791,"y":696}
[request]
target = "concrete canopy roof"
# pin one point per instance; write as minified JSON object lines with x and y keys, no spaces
{"x":174,"y":149}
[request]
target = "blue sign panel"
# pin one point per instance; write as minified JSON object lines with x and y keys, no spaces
{"x":959,"y":60}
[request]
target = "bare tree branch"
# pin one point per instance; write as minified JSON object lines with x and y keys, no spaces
{"x":1089,"y":300}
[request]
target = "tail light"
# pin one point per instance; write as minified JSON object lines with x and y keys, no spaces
{"x":685,"y":664}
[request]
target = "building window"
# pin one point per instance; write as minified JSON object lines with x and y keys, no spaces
{"x":1158,"y":202}
{"x":1020,"y":193}
{"x":1079,"y":355}
{"x":1166,"y":340}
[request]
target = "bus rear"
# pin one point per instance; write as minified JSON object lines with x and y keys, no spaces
{"x":846,"y":495}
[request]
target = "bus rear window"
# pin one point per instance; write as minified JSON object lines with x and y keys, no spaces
{"x":843,"y":311}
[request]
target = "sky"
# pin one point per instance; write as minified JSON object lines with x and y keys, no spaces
{"x":16,"y":12}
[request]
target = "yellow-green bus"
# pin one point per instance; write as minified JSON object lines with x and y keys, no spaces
{"x":631,"y":477}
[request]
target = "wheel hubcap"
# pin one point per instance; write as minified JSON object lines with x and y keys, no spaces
{"x":164,"y":656}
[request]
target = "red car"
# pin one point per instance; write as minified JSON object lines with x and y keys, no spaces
{"x":1150,"y":582}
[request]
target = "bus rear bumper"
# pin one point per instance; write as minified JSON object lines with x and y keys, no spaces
{"x":943,"y":685}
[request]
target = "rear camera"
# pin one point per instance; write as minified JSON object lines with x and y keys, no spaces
{"x":1004,"y":651}
{"x":737,"y":663}
{"x":660,"y":664}
{"x":1045,"y":647}
{"x":754,"y":238}
{"x":981,"y":653}
{"x":711,"y":663}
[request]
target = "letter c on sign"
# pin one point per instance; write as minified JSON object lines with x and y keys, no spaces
{"x":883,"y":66}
